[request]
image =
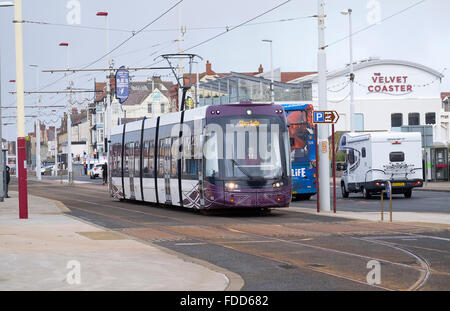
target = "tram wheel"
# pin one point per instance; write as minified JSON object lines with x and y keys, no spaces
{"x":265,"y":211}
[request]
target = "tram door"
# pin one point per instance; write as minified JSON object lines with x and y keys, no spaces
{"x":198,"y":143}
{"x":167,"y":158}
{"x":131,"y":169}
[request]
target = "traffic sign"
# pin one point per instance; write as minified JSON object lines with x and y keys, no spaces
{"x":122,"y":84}
{"x":388,"y":189}
{"x":329,"y":117}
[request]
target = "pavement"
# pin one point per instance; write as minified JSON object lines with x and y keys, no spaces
{"x":443,"y":186}
{"x":54,"y":251}
{"x":438,"y":216}
{"x":436,"y":186}
{"x":397,"y":217}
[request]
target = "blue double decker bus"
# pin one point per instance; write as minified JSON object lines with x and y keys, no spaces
{"x":303,"y":150}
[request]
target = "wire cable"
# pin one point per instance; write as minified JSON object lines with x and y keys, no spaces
{"x":235,"y":27}
{"x":373,"y":25}
{"x":117,"y":47}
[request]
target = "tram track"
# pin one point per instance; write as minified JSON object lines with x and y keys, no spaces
{"x":424,"y":269}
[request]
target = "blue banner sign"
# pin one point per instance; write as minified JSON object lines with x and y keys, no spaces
{"x":122,"y":84}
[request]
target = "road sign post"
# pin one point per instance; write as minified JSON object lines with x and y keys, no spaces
{"x":389,"y":194}
{"x":326,"y":117}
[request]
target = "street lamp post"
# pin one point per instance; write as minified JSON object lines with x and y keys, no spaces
{"x":38,"y":130}
{"x":272,"y":91}
{"x":2,"y":168}
{"x":107,"y":119}
{"x":69,"y":121}
{"x":352,"y":75}
{"x":21,"y":140}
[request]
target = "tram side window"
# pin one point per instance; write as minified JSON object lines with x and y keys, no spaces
{"x":125,"y":162}
{"x":151,"y":157}
{"x":161,"y":152}
{"x":130,"y":158}
{"x":137,"y":159}
{"x":145,"y":169}
{"x":118,"y":159}
{"x":113,"y":154}
{"x":173,"y":160}
{"x":190,"y":163}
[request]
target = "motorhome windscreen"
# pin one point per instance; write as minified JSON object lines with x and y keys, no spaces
{"x":397,"y":156}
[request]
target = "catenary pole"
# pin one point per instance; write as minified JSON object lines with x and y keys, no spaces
{"x":21,"y":140}
{"x":323,"y":159}
{"x":38,"y":130}
{"x":352,"y":74}
{"x":2,"y":168}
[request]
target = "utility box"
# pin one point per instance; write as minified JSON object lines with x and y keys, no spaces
{"x":439,"y":164}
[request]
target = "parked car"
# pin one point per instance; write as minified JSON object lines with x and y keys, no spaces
{"x":96,"y":171}
{"x":47,"y":168}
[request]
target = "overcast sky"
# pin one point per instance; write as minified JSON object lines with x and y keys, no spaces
{"x":419,"y":34}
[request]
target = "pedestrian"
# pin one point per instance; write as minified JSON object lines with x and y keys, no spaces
{"x":8,"y":178}
{"x":105,"y":173}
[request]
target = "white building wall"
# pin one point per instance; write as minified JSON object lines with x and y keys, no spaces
{"x":406,"y":90}
{"x":156,"y":99}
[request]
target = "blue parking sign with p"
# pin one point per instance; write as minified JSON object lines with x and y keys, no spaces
{"x":318,"y":116}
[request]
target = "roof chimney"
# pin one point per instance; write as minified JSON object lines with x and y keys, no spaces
{"x":260,"y":69}
{"x":208,"y":68}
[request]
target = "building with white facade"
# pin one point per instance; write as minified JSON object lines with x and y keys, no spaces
{"x":388,"y":94}
{"x":146,"y":99}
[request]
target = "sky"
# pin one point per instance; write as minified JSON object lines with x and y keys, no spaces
{"x":418,"y":34}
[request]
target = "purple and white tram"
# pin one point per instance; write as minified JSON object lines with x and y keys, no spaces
{"x":180,"y":158}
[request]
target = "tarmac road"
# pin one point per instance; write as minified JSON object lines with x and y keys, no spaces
{"x":421,"y":201}
{"x":284,"y":250}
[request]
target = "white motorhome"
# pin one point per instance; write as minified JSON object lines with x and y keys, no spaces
{"x":374,"y":158}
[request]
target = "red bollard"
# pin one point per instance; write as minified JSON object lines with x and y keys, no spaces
{"x":21,"y":166}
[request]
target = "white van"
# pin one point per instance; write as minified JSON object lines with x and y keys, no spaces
{"x":376,"y":157}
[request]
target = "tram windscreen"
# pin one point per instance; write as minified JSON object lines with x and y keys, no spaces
{"x":252,"y":148}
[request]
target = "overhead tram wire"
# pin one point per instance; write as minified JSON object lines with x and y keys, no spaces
{"x":228,"y":30}
{"x":235,"y":27}
{"x":117,"y":47}
{"x":134,"y":34}
{"x":167,"y":29}
{"x":373,"y":25}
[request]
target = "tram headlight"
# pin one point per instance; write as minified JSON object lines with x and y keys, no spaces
{"x":277,"y":184}
{"x":231,"y":185}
